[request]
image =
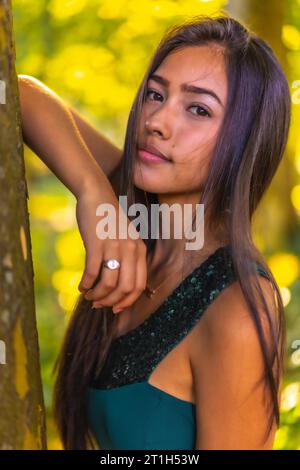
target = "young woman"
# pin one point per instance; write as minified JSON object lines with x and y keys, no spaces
{"x":198,"y":364}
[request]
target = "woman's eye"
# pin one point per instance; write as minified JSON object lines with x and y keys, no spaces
{"x":156,"y":96}
{"x":203,"y":111}
{"x":154,"y":92}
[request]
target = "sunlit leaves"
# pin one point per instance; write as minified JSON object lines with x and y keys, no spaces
{"x":65,"y":282}
{"x":69,"y":249}
{"x":286,"y":295}
{"x":285,"y":268}
{"x":295,"y":197}
{"x":42,"y":205}
{"x":291,"y":37}
{"x":80,"y":65}
{"x":62,"y":9}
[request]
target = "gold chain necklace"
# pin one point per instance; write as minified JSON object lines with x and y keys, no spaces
{"x":150,"y":292}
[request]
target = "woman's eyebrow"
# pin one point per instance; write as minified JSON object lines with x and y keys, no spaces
{"x":187,"y":88}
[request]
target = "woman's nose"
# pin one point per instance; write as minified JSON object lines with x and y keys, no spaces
{"x":158,"y":123}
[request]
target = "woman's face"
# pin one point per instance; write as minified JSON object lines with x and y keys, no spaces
{"x":182,"y":124}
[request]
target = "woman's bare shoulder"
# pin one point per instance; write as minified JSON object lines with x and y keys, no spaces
{"x":229,"y":371}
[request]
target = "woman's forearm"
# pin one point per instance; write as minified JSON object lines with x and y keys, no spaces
{"x":49,"y":129}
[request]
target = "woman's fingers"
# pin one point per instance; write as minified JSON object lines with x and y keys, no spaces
{"x":91,"y":270}
{"x":126,"y":280}
{"x":140,"y":285}
{"x":108,"y":277}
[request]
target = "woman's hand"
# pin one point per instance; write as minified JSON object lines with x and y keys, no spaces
{"x":50,"y":130}
{"x":119,"y":287}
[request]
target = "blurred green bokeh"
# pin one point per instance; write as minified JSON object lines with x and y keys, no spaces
{"x":94,"y":54}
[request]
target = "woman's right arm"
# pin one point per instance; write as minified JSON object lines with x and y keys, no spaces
{"x":105,"y":152}
{"x":50,"y":130}
{"x":57,"y":133}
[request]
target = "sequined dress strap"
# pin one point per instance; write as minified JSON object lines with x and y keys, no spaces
{"x":133,"y":356}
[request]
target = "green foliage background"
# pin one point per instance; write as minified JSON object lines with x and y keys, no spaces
{"x":93,"y":53}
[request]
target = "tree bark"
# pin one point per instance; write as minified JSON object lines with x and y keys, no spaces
{"x":22,"y":414}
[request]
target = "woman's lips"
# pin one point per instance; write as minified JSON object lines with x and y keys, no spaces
{"x":151,"y":157}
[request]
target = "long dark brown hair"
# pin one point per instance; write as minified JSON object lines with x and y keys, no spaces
{"x":248,"y":150}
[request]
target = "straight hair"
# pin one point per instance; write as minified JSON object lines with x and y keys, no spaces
{"x":248,"y":149}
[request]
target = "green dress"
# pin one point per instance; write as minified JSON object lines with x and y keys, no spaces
{"x":125,"y":412}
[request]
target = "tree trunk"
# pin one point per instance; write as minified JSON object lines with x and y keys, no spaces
{"x":22,"y":414}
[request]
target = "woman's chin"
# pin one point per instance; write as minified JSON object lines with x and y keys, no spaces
{"x":144,"y":183}
{"x":146,"y":187}
{"x":151,"y":187}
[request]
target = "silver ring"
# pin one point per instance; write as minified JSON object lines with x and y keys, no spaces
{"x":111,"y":263}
